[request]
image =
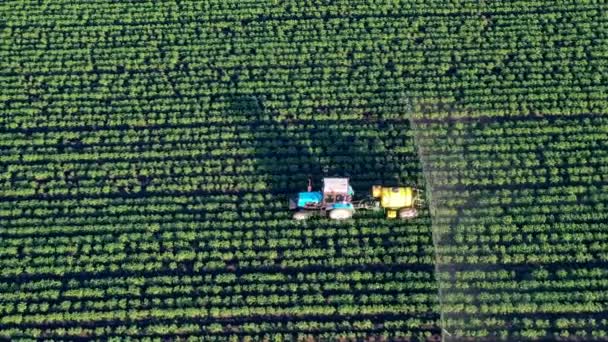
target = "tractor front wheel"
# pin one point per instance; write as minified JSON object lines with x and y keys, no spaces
{"x":408,"y":213}
{"x":340,"y":214}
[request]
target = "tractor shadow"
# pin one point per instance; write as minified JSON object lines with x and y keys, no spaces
{"x":288,"y":151}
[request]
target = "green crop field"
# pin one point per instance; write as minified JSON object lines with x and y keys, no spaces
{"x":148,"y":149}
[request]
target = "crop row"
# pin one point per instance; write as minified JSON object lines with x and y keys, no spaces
{"x":502,"y":63}
{"x":140,"y":140}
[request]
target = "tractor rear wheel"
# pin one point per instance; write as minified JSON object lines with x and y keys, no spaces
{"x":301,"y":215}
{"x":408,"y":213}
{"x":340,"y":214}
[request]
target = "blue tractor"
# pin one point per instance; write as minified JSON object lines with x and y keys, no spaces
{"x":335,"y":200}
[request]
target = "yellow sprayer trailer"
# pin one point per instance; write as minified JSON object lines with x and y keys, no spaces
{"x":397,"y":201}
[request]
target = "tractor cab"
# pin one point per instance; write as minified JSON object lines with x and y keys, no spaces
{"x":337,"y":190}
